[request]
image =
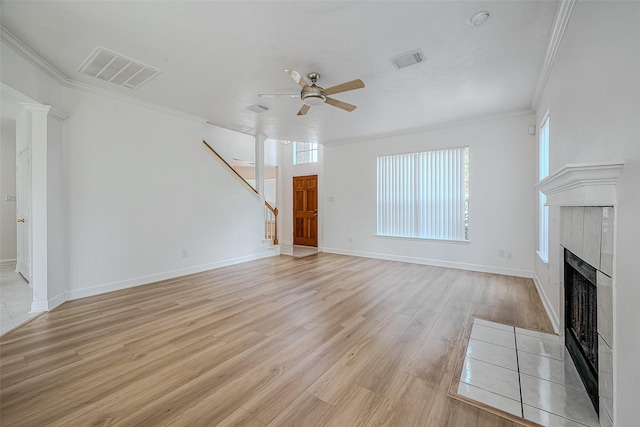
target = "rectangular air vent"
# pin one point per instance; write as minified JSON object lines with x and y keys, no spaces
{"x":118,"y":69}
{"x":257,"y":108}
{"x":407,"y":59}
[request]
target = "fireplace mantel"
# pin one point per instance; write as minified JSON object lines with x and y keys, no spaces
{"x":582,"y":184}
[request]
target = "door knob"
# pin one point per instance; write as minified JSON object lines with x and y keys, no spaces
{"x":21,"y":220}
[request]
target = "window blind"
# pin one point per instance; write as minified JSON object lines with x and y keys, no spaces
{"x":423,"y":195}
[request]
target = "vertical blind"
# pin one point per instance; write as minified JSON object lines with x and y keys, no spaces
{"x":423,"y":194}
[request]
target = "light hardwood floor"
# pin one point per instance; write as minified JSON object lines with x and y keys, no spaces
{"x":322,"y":340}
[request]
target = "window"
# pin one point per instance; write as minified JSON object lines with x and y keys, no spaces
{"x":305,"y":152}
{"x":543,"y":172}
{"x":424,"y":195}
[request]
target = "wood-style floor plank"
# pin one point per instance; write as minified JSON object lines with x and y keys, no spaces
{"x":322,"y":340}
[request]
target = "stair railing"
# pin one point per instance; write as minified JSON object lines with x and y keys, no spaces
{"x":270,"y":213}
{"x":270,"y":223}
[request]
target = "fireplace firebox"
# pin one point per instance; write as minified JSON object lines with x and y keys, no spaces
{"x":581,"y":323}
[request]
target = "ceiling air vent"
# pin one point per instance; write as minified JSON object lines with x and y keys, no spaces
{"x":110,"y":66}
{"x":257,"y":108}
{"x":409,"y":58}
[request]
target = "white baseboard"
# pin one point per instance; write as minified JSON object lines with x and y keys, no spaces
{"x":438,"y":263}
{"x":39,"y":306}
{"x":553,"y":316}
{"x":47,"y":305}
{"x":8,"y":261}
{"x":144,"y":280}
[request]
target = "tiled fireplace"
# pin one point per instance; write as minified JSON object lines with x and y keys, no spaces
{"x":587,"y":240}
{"x":586,"y":197}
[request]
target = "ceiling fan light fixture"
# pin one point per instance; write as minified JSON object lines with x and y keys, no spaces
{"x":314,"y":100}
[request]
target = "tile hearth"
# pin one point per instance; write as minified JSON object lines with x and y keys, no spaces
{"x":525,"y":373}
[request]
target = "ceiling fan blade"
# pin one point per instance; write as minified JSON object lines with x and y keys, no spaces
{"x":297,"y":78}
{"x":303,"y":110}
{"x":340,"y":104}
{"x":344,"y":87}
{"x":275,"y":95}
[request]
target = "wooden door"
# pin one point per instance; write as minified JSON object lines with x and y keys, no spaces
{"x":23,"y":213}
{"x":305,"y":210}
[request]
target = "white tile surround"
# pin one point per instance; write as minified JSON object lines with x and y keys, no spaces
{"x":525,"y":373}
{"x":586,"y":195}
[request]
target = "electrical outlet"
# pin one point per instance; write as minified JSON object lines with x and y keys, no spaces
{"x":350,"y":240}
{"x":185,"y":253}
{"x":508,"y":254}
{"x":501,"y":253}
{"x":9,"y":198}
{"x":330,"y":199}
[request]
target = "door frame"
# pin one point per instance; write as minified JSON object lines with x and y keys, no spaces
{"x":23,"y":210}
{"x":317,"y":210}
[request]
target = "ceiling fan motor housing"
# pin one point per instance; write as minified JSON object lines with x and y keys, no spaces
{"x":313,"y":95}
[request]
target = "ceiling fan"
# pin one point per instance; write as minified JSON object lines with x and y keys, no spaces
{"x":313,"y":95}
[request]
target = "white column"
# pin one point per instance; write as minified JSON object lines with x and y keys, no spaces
{"x":260,"y":165}
{"x":39,"y":215}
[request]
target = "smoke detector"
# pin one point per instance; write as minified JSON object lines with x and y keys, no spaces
{"x":478,"y":18}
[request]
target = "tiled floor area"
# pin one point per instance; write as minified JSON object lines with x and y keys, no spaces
{"x":15,"y":296}
{"x":298,"y":251}
{"x":525,"y":373}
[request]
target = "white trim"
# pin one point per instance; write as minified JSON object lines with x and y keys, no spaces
{"x":445,"y":125}
{"x":58,"y":114}
{"x":557,"y":32}
{"x":8,"y":261}
{"x":553,"y":316}
{"x":11,"y":41}
{"x":152,"y":278}
{"x":30,"y":56}
{"x":543,"y":257}
{"x":437,"y":263}
{"x":582,"y":184}
{"x":39,"y":306}
{"x":430,"y":239}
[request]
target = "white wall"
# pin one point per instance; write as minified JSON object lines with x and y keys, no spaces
{"x":7,"y":188}
{"x":230,"y":144}
{"x":132,"y":187}
{"x":502,"y":176}
{"x":57,"y":211}
{"x":593,"y":98}
{"x":142,"y":191}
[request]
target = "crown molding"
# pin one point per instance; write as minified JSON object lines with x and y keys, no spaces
{"x":557,"y":32}
{"x":15,"y":44}
{"x":582,"y":184}
{"x":443,"y":125}
{"x":30,"y":56}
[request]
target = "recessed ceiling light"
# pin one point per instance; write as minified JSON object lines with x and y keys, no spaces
{"x":478,"y":18}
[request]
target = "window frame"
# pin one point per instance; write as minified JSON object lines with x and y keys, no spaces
{"x":543,"y":172}
{"x":312,"y":151}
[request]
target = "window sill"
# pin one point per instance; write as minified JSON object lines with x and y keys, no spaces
{"x":543,"y":257}
{"x":383,"y":236}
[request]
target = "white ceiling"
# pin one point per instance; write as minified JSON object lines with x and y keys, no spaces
{"x":216,"y":57}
